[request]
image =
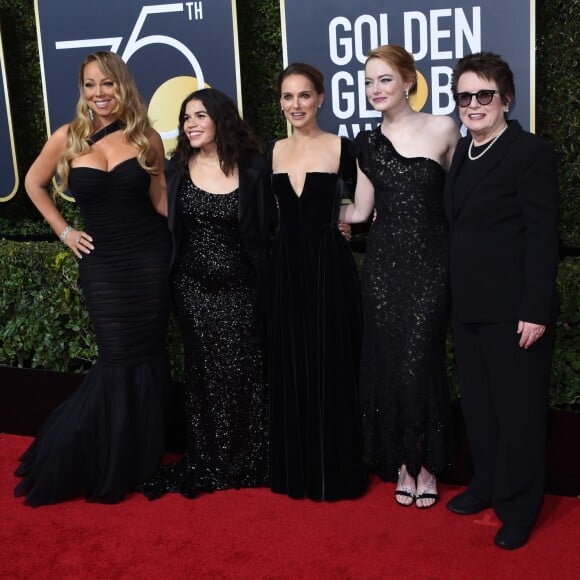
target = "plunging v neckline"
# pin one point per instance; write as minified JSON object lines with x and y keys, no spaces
{"x":306,"y":176}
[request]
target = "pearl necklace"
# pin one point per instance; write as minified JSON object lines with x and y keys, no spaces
{"x":474,"y":157}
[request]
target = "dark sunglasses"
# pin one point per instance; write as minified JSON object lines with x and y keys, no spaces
{"x":483,"y":98}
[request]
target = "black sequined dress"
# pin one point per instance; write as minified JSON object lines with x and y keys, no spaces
{"x":226,"y":402}
{"x":109,"y":435}
{"x":315,"y":343}
{"x":404,"y":391}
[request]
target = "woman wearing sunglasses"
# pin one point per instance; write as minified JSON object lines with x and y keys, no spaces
{"x":501,"y":202}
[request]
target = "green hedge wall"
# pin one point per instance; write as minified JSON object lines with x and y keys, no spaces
{"x":43,"y":322}
{"x":558,"y":100}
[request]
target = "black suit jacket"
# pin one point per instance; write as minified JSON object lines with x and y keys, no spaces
{"x":503,"y":246}
{"x":255,"y":215}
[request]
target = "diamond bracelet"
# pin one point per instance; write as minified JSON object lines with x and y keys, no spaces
{"x":65,"y":233}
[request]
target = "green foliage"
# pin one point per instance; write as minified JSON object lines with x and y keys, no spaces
{"x":261,"y":46}
{"x":565,"y":391}
{"x":43,"y":318}
{"x":558,"y":101}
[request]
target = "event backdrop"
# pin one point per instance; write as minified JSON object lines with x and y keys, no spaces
{"x":172,"y":48}
{"x":8,"y":168}
{"x":335,"y":35}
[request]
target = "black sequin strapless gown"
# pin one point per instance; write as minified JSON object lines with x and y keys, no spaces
{"x":404,"y":391}
{"x":226,"y":400}
{"x":108,"y":436}
{"x":314,"y":347}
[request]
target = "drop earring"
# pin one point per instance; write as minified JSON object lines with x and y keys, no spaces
{"x":406,"y":93}
{"x":91,"y":115}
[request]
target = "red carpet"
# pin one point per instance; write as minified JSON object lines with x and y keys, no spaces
{"x":256,"y":534}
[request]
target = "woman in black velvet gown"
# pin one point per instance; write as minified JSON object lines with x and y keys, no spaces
{"x":218,"y":188}
{"x":404,"y":392}
{"x":315,"y":318}
{"x":108,"y":436}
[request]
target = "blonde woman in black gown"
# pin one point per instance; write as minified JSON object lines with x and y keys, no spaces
{"x":404,"y":392}
{"x":315,"y":317}
{"x":108,"y":436}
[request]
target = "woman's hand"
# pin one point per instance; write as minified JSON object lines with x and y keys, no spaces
{"x":345,"y":230}
{"x":79,"y":242}
{"x":530,"y":333}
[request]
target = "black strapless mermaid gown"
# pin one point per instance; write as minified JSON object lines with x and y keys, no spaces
{"x":403,"y":382}
{"x":316,"y":446}
{"x":109,"y":435}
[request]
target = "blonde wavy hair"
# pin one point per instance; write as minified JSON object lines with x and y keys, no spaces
{"x":130,"y":110}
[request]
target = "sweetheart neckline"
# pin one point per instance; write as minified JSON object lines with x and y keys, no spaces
{"x":107,"y":171}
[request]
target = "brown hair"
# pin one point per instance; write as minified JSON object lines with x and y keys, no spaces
{"x":305,"y":70}
{"x":402,"y":61}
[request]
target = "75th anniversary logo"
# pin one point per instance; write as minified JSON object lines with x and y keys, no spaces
{"x":172,"y":48}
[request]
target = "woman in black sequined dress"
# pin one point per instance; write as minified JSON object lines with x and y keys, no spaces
{"x":404,"y":392}
{"x":218,"y":190}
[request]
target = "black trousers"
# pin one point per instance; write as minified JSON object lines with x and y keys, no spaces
{"x":504,"y":397}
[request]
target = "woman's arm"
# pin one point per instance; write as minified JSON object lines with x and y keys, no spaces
{"x":452,"y":137}
{"x":158,"y":188}
{"x":364,"y":200}
{"x":36,"y":184}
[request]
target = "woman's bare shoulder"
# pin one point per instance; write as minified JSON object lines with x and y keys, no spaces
{"x":57,"y":142}
{"x":61,"y":134}
{"x":442,"y":124}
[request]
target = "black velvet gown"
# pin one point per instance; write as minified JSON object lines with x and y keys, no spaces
{"x":109,"y":435}
{"x":314,"y":343}
{"x":404,"y":391}
{"x":226,"y":397}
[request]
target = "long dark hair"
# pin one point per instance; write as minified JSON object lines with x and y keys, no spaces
{"x":235,"y":139}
